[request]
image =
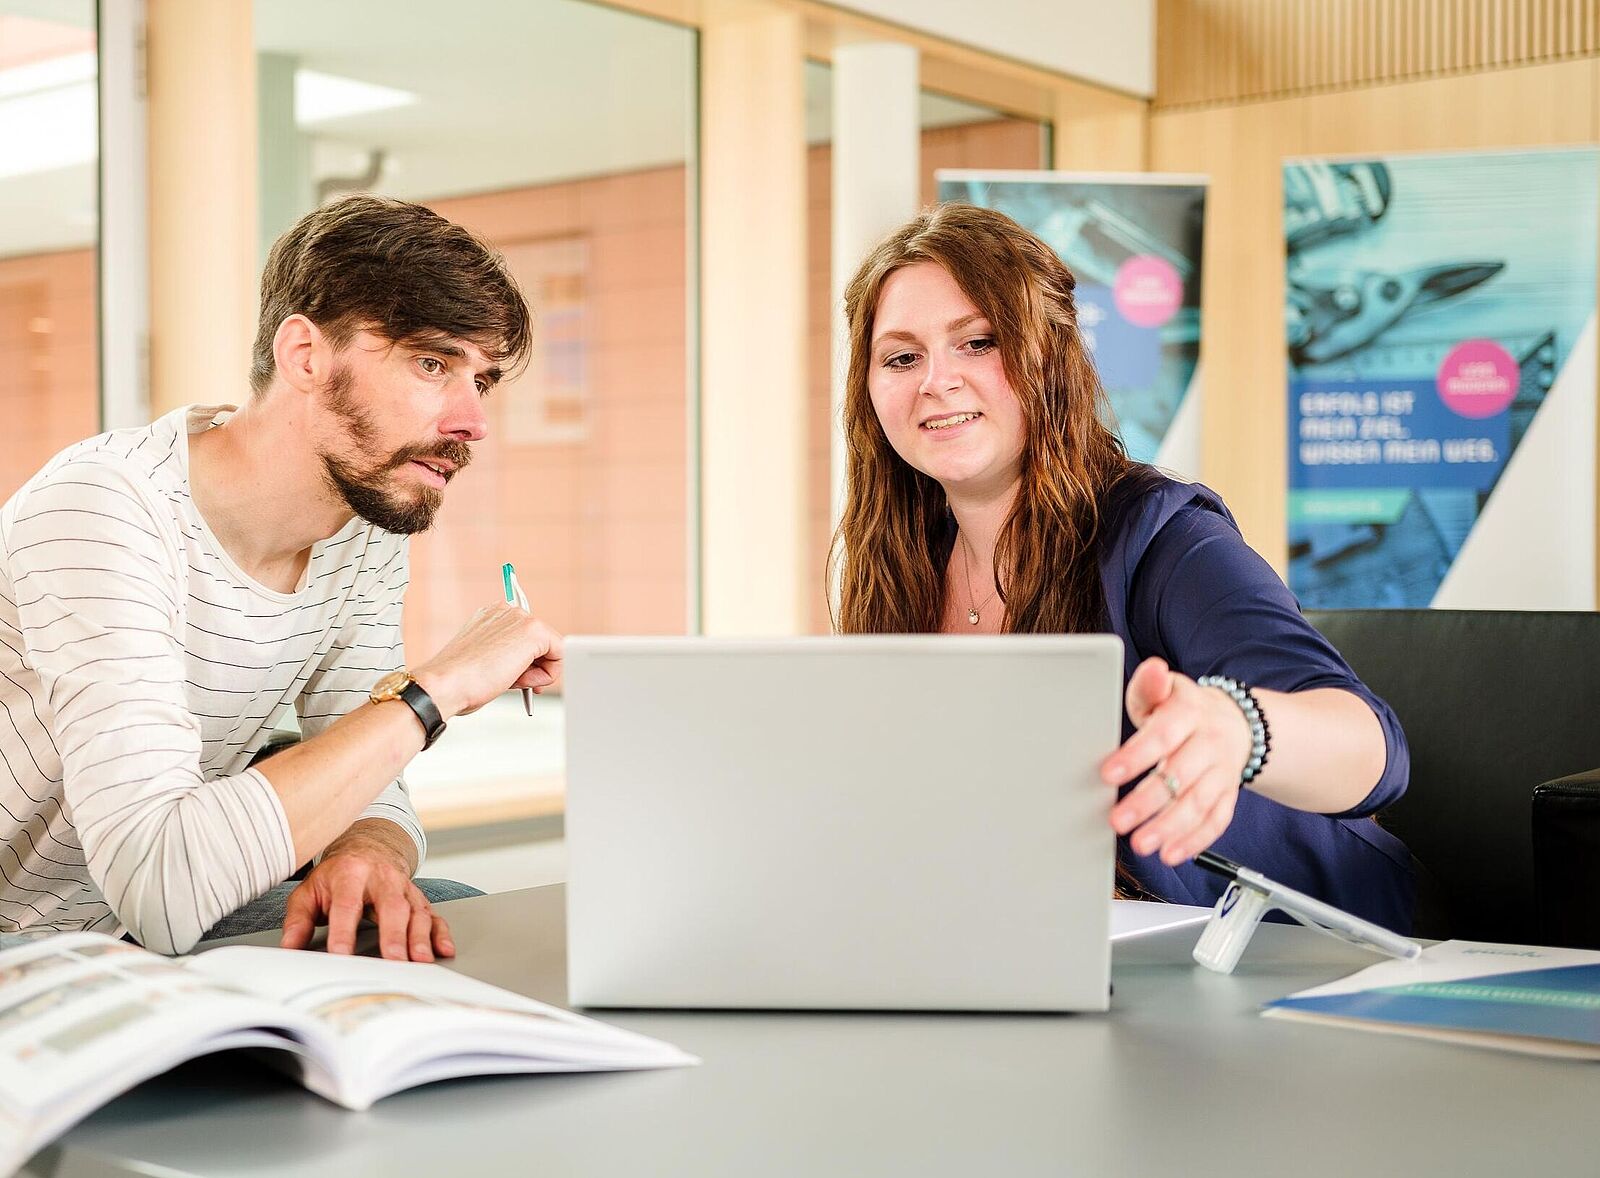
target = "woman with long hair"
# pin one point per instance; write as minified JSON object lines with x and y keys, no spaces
{"x":986,"y":495}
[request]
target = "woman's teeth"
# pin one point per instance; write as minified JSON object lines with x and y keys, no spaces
{"x":947,"y":422}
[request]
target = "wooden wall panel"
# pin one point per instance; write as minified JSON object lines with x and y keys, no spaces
{"x":1242,"y":148}
{"x":1538,"y":105}
{"x":1221,"y":51}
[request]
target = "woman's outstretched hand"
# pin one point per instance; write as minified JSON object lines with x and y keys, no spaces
{"x":1191,"y":746}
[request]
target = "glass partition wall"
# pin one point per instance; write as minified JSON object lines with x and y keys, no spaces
{"x":49,"y":229}
{"x":563,"y":132}
{"x":955,"y":134}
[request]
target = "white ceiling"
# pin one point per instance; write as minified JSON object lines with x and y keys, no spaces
{"x":1112,"y":42}
{"x":508,"y":95}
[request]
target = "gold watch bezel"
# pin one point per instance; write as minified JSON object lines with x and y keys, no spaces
{"x":390,"y":686}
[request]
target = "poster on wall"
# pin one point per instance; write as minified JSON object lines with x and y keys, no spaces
{"x":1441,"y":349}
{"x":548,"y":403}
{"x":1133,"y":243}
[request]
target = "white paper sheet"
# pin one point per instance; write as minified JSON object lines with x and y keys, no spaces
{"x":1140,"y":918}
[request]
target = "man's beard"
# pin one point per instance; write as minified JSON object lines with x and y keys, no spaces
{"x":367,"y":488}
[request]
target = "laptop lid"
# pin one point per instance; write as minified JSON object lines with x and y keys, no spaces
{"x":898,"y":822}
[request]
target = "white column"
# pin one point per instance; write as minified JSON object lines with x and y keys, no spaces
{"x":877,"y":184}
{"x":124,"y":219}
{"x":283,"y":165}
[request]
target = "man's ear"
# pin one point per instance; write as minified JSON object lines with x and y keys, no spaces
{"x":301,"y":354}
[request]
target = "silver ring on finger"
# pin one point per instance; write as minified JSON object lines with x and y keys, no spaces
{"x":1174,"y":787}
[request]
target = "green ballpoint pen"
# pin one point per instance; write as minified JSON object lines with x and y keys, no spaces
{"x":515,"y":596}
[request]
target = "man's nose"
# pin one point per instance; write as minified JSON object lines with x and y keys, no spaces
{"x":466,"y":419}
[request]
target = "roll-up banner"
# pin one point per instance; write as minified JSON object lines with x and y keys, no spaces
{"x":1442,"y":385}
{"x":1132,"y":241}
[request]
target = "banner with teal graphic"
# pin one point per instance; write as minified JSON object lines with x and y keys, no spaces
{"x":1440,"y":332}
{"x":1133,"y":244}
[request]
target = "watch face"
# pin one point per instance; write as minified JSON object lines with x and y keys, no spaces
{"x":390,"y":686}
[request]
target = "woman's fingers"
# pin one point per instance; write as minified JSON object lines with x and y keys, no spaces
{"x":1179,"y":823}
{"x":1149,"y":687}
{"x":1162,"y":733}
{"x":1142,"y":803}
{"x":1209,"y":831}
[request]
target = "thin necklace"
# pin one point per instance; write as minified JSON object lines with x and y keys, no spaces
{"x":966,"y":566}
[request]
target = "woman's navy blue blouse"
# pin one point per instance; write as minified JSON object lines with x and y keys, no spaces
{"x":1181,"y":583}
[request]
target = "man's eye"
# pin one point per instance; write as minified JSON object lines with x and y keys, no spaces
{"x":483,"y":387}
{"x":431,"y":365}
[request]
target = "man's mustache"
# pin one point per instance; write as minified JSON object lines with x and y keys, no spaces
{"x":456,"y":454}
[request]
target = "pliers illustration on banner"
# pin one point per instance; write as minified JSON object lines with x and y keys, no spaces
{"x":1324,"y":201}
{"x":1094,"y":239}
{"x":1332,"y":313}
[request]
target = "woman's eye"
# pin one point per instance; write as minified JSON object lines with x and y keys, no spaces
{"x":901,"y":360}
{"x":983,"y":343}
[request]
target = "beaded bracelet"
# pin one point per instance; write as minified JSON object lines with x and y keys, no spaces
{"x":1260,"y":734}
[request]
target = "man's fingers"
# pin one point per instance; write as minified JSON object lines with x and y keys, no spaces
{"x":419,"y":934}
{"x":300,"y":918}
{"x":535,"y":677}
{"x":442,"y":942}
{"x":344,"y":915}
{"x":393,"y":915}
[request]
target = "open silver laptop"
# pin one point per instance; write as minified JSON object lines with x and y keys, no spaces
{"x":903,"y":823}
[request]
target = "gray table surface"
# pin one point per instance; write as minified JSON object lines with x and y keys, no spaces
{"x":1182,"y":1076}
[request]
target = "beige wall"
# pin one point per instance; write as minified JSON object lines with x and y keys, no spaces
{"x":588,"y":501}
{"x":1242,"y":148}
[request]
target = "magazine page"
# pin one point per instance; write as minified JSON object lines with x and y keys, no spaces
{"x":1525,"y":998}
{"x":395,"y":1024}
{"x":84,"y":1017}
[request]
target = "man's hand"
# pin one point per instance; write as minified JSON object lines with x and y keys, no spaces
{"x":366,"y":870}
{"x":499,"y":648}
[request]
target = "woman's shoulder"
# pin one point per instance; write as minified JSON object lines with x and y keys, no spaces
{"x":1147,"y":502}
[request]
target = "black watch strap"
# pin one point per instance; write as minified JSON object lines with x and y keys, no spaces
{"x":420,"y":702}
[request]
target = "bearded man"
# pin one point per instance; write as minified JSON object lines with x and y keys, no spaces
{"x":167,"y":592}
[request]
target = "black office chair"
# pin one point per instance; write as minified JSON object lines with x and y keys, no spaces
{"x":1494,"y":704}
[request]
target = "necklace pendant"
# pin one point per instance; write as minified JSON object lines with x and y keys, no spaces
{"x":972,"y":616}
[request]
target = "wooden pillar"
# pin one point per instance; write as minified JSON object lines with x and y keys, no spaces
{"x":753,"y":321}
{"x":202,"y":106}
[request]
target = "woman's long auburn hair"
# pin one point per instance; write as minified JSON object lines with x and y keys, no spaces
{"x":895,"y":535}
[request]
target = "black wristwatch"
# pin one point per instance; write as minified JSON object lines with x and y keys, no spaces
{"x":403,"y":686}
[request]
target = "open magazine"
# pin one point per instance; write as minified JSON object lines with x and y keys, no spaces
{"x":84,"y":1018}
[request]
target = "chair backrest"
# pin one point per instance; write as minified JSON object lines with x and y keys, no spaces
{"x":1493,"y":703}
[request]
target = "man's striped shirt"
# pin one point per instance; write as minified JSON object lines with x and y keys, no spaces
{"x":140,"y":670}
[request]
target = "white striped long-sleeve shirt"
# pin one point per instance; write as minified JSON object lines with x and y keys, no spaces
{"x":140,"y":671}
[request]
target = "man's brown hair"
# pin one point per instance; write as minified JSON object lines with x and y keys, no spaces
{"x":394,"y":268}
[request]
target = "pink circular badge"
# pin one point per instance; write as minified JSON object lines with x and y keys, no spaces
{"x":1478,"y":378}
{"x":1148,"y":290}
